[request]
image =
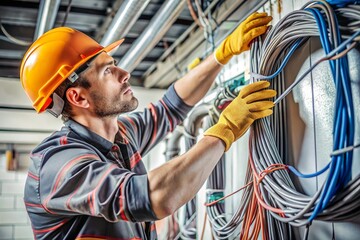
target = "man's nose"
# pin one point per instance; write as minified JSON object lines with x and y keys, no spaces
{"x":124,"y":76}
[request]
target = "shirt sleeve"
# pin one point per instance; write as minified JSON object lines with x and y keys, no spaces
{"x":76,"y":181}
{"x":145,"y":129}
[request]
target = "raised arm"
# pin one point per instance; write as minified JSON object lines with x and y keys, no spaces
{"x":195,"y":84}
{"x":176,"y":182}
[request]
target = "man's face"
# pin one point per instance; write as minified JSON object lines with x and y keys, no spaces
{"x":110,"y":93}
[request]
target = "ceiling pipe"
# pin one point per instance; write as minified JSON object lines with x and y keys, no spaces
{"x":124,"y":20}
{"x":107,"y":20}
{"x":46,"y":17}
{"x":164,"y":72}
{"x":157,"y":28}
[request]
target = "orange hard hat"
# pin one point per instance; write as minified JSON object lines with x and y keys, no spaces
{"x":52,"y":59}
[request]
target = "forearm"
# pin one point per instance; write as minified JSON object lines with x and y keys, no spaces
{"x":176,"y":182}
{"x":196,"y":83}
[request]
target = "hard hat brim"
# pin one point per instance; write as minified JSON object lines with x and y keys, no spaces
{"x":111,"y":49}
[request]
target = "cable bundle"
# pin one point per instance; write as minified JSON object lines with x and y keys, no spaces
{"x":270,"y":202}
{"x":188,"y":228}
{"x":221,"y":227}
{"x":337,"y":199}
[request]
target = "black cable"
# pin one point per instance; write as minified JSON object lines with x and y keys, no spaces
{"x":306,"y":233}
{"x":67,"y":13}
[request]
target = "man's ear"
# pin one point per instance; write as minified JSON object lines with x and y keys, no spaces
{"x":77,"y":97}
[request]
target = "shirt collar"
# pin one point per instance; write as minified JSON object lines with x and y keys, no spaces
{"x":88,"y":136}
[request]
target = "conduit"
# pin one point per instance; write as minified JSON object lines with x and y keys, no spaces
{"x":156,"y":29}
{"x":46,"y":16}
{"x":124,"y":20}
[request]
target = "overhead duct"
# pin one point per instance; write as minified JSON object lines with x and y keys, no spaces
{"x":46,"y":17}
{"x":124,"y":20}
{"x":188,"y":46}
{"x":157,"y":28}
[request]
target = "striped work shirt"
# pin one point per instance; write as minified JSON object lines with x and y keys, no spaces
{"x":81,"y":186}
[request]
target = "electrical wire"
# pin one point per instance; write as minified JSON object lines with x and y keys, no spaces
{"x":193,"y":14}
{"x":11,"y":38}
{"x":277,"y":193}
{"x":272,"y":204}
{"x":224,"y":226}
{"x":68,"y":8}
{"x":188,"y":228}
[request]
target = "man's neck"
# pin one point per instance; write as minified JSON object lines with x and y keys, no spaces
{"x":105,"y":127}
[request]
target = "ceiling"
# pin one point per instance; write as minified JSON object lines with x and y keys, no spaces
{"x":20,"y":19}
{"x":161,"y":39}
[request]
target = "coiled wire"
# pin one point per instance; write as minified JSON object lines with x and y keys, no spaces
{"x":268,"y":141}
{"x":272,"y":202}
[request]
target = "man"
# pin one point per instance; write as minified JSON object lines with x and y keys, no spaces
{"x":87,"y":181}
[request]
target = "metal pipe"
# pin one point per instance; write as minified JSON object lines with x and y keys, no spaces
{"x":164,"y":76}
{"x":124,"y":20}
{"x":193,"y":124}
{"x":186,"y":33}
{"x":157,"y":28}
{"x":46,"y":18}
{"x":178,"y":41}
{"x":173,"y":148}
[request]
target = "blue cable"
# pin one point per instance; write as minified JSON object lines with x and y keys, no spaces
{"x":311,"y":175}
{"x":343,"y":130}
{"x":343,"y":135}
{"x":349,"y":117}
{"x":341,"y":3}
{"x":334,"y":167}
{"x":339,"y":48}
{"x":283,"y":64}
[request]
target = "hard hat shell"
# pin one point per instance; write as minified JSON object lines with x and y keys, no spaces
{"x":52,"y":58}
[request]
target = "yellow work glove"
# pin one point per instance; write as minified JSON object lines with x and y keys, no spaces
{"x":249,"y":105}
{"x":239,"y":40}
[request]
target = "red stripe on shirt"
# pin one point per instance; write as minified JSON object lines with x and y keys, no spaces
{"x":36,"y":155}
{"x":68,"y":166}
{"x":154,"y":116}
{"x":93,"y":192}
{"x":33,"y":176}
{"x":123,"y":132}
{"x":33,"y":205}
{"x":122,"y":198}
{"x":152,"y":227}
{"x":45,"y":230}
{"x":121,"y":202}
{"x":91,"y":205}
{"x":63,"y":140}
{"x":122,"y":127}
{"x":134,"y":159}
{"x":131,"y":122}
{"x":88,"y":237}
{"x":62,"y":173}
{"x":70,"y":197}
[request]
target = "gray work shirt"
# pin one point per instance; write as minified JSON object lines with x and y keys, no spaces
{"x":80,"y":185}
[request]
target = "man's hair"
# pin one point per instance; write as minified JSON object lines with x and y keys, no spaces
{"x":61,"y":90}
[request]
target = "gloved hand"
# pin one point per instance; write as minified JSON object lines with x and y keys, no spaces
{"x":249,"y":105}
{"x":239,"y":40}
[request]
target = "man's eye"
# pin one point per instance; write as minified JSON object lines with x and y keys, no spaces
{"x":107,"y":71}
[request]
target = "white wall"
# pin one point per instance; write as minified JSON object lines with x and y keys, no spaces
{"x":14,"y":221}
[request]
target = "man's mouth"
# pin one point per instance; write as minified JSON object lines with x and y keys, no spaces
{"x":128,"y":90}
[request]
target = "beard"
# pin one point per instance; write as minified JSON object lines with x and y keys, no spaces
{"x":112,"y":107}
